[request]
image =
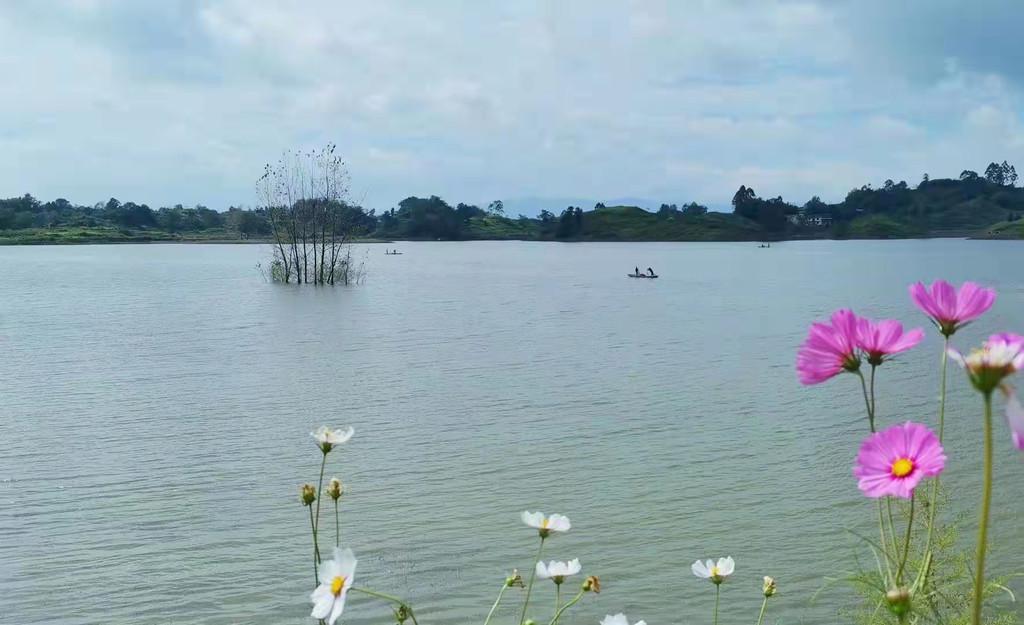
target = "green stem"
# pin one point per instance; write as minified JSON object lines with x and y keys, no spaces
{"x":933,"y":501}
{"x":319,"y":493}
{"x":883,"y":544}
{"x":942,"y":389}
{"x":906,"y":542}
{"x":565,"y":607}
{"x":760,"y":617}
{"x":986,"y":502}
{"x":337,"y":526}
{"x":718,"y":592}
{"x":867,"y":402}
{"x":558,"y":596}
{"x":533,"y":576}
{"x":316,"y":560}
{"x":892,"y":529}
{"x":874,"y":405}
{"x":494,"y":607}
{"x":387,"y":597}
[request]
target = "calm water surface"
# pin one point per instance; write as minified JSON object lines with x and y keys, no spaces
{"x":155,"y":404}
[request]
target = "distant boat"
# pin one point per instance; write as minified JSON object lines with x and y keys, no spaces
{"x":641,"y":275}
{"x":387,"y":253}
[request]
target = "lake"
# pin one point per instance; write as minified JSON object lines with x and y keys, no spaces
{"x":156,"y":403}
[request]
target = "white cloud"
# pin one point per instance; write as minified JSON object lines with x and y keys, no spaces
{"x":674,"y":101}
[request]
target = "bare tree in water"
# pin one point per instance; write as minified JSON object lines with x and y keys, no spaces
{"x":312,"y":224}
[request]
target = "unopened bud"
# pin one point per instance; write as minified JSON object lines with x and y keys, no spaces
{"x":530,"y":621}
{"x":592,"y":584}
{"x":515,"y":579}
{"x":402,"y":614}
{"x":769,"y":586}
{"x":898,"y":600}
{"x":308,"y":494}
{"x":335,"y":489}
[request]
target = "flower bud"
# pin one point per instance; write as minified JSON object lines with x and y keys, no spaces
{"x":898,"y":600}
{"x":401,"y":614}
{"x":769,"y":586}
{"x":592,"y":584}
{"x":335,"y":488}
{"x":308,"y":494}
{"x":515,"y":579}
{"x":530,"y":621}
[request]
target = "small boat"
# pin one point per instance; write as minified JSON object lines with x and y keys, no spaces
{"x":641,"y":275}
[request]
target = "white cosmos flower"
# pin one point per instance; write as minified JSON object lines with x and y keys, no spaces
{"x":326,"y":438}
{"x":618,"y":619}
{"x":335,"y":579}
{"x":546,"y":525}
{"x":558,"y":571}
{"x":715,"y":571}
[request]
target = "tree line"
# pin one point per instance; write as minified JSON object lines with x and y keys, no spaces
{"x":988,"y":197}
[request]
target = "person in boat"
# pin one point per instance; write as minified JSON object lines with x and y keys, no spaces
{"x":636,"y":271}
{"x":650,"y":271}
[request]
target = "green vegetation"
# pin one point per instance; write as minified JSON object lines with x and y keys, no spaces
{"x":988,"y":206}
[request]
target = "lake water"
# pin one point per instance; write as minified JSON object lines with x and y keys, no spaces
{"x":156,"y":403}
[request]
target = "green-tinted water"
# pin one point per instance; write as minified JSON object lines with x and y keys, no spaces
{"x":155,"y":404}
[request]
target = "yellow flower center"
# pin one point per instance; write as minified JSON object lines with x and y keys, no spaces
{"x":902,"y":467}
{"x":337,"y":584}
{"x":544,"y":524}
{"x":714,"y":571}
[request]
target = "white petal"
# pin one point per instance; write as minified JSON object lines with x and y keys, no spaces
{"x":346,"y":561}
{"x":559,"y":523}
{"x":700,"y":570}
{"x":339,"y":605}
{"x":329,"y":569}
{"x":617,"y":619}
{"x":323,"y":605}
{"x":542,"y":571}
{"x":640,"y":623}
{"x":341,"y":436}
{"x":726,"y":566}
{"x":956,"y":357}
{"x":573,"y":567}
{"x":533,"y":519}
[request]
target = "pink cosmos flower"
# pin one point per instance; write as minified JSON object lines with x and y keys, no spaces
{"x":893,"y":461}
{"x":885,"y":338}
{"x":1014,"y":417}
{"x":951,"y":309}
{"x":830,"y":349}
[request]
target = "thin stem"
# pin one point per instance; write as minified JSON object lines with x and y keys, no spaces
{"x":942,"y":389}
{"x":494,"y":607}
{"x":933,"y":501}
{"x":565,"y":607}
{"x":884,"y":540}
{"x":319,"y":493}
{"x":316,"y":556}
{"x":533,"y":576}
{"x":387,"y":597}
{"x":337,"y":526}
{"x":986,"y":502}
{"x":874,"y":406}
{"x":892,"y":529}
{"x":718,"y":592}
{"x":906,"y":542}
{"x":558,"y":596}
{"x":760,"y":617}
{"x":867,"y":402}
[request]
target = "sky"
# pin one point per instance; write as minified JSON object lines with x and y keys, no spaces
{"x":534,"y":103}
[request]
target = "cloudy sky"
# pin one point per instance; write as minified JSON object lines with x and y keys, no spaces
{"x":678,"y":100}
